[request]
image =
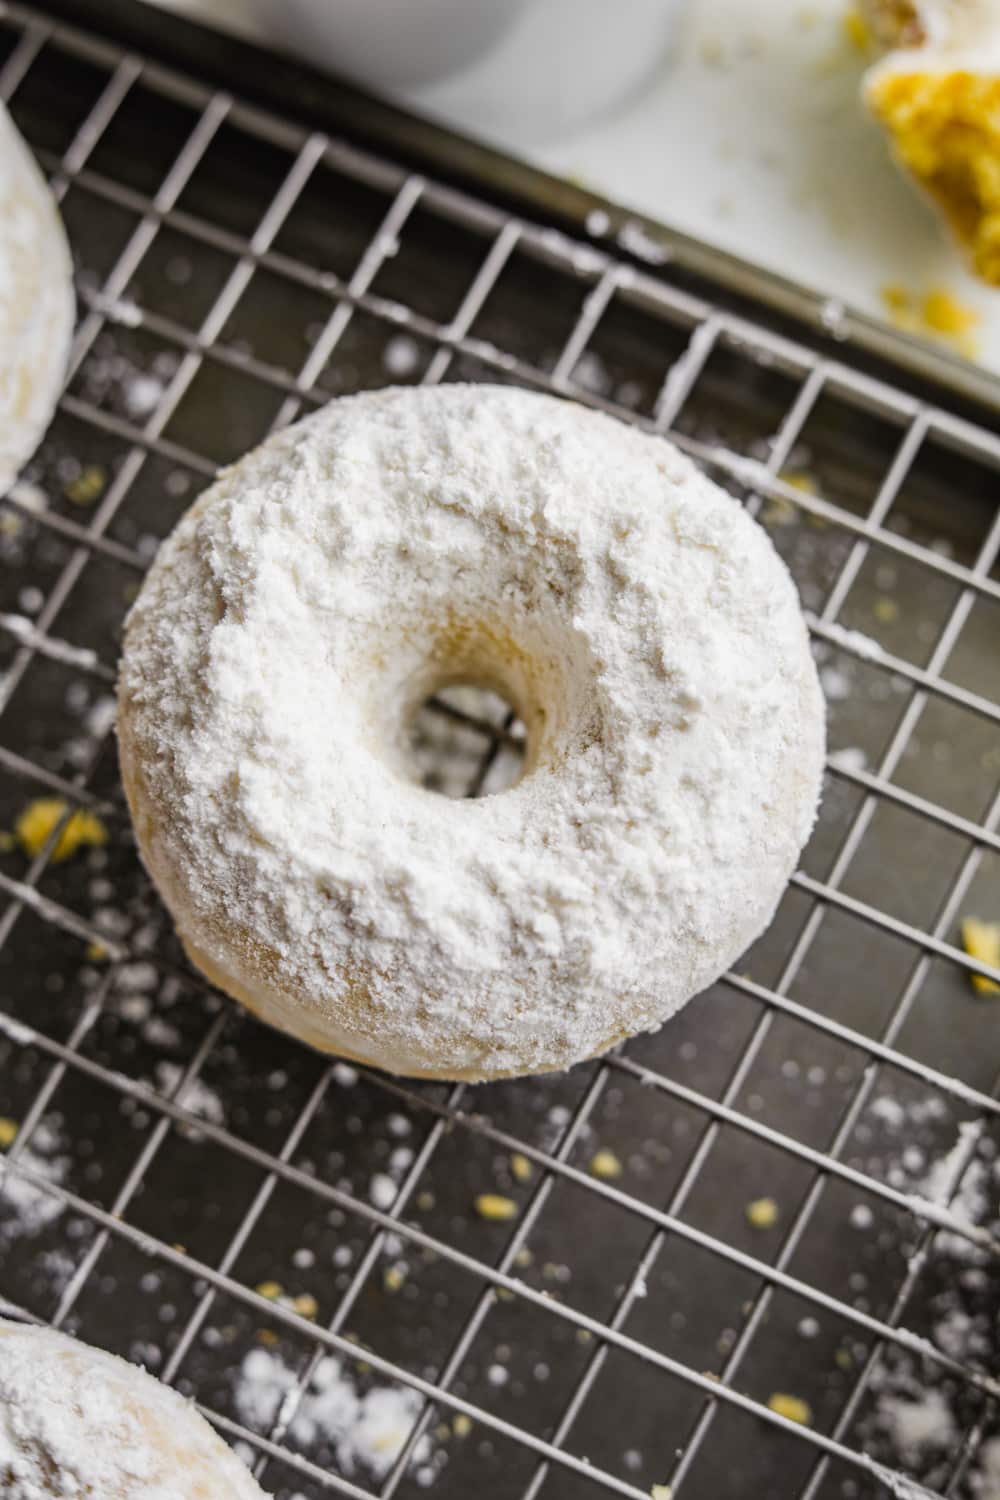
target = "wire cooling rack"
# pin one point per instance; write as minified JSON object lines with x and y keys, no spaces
{"x":781,"y":1207}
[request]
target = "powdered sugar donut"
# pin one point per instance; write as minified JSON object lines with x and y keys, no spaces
{"x":36,"y":302}
{"x":77,"y":1422}
{"x":399,"y":541}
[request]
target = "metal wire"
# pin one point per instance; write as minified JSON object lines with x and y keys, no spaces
{"x":603,"y":282}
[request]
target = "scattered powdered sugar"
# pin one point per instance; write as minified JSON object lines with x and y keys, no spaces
{"x":116,"y":309}
{"x":382,"y":1191}
{"x":634,"y":238}
{"x":985,"y":1477}
{"x":25,"y":1206}
{"x":914,"y":1426}
{"x":194,"y":1096}
{"x":30,"y":497}
{"x":143,"y":394}
{"x":591,"y":373}
{"x":338,"y":576}
{"x":16,"y":1031}
{"x":597,"y":222}
{"x":111,"y":377}
{"x":160,"y":1033}
{"x":139,"y":976}
{"x":944,"y":1175}
{"x":401,"y":356}
{"x":365,"y":1430}
{"x":918,"y":1413}
{"x":851,"y":758}
{"x":889,"y":1111}
{"x":836,"y":683}
{"x":854,"y":640}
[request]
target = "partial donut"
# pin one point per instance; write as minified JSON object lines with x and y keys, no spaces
{"x":36,"y":303}
{"x":398,"y":542}
{"x":77,"y":1422}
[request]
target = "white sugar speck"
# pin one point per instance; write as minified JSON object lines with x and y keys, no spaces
{"x":382,"y":1191}
{"x":142,"y":395}
{"x":401,"y":356}
{"x":852,"y":758}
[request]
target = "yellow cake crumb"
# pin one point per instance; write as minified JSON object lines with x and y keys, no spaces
{"x":793,"y":1408}
{"x":661,"y":1492}
{"x":944,"y":125}
{"x":96,"y":953}
{"x":8,"y":1132}
{"x":270,"y":1290}
{"x":886,"y":610}
{"x":982,"y":940}
{"x":935,"y":314}
{"x":495,"y":1207}
{"x":425,"y":1201}
{"x":87,"y":487}
{"x":857,"y":30}
{"x":461,"y":1425}
{"x":524,"y":1257}
{"x":267,"y":1337}
{"x":798,"y":479}
{"x":393,"y":1278}
{"x":945,"y":314}
{"x":762,"y":1213}
{"x":520,"y":1167}
{"x":38,"y":820}
{"x":7,"y":842}
{"x":605,"y":1165}
{"x":896,"y":297}
{"x":305,"y":1305}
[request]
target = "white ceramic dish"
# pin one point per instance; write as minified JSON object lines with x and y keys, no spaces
{"x":559,"y":65}
{"x":528,"y":68}
{"x":387,"y":43}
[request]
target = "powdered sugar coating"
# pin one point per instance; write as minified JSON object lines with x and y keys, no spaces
{"x":36,"y":302}
{"x":76,"y":1422}
{"x":393,"y":542}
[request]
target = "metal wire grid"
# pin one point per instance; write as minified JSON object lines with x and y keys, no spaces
{"x":605,"y":280}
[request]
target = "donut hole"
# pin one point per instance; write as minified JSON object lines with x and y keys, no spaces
{"x":474,"y":705}
{"x":467,"y":740}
